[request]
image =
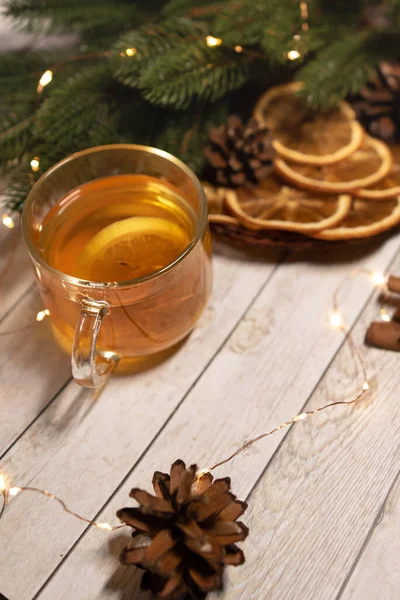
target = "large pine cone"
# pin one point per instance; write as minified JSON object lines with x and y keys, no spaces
{"x":378,"y":104}
{"x":184,"y":535}
{"x":239,"y":155}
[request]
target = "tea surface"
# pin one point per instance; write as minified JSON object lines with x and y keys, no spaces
{"x":117,"y":228}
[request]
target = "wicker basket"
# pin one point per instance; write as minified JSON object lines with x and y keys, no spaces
{"x":241,"y":236}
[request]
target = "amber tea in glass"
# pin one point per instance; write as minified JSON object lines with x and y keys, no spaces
{"x":119,"y":238}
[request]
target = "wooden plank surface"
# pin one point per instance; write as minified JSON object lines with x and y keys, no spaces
{"x":32,"y":368}
{"x":16,"y":273}
{"x":377,"y":573}
{"x":77,"y":435}
{"x":225,"y":407}
{"x":315,"y":505}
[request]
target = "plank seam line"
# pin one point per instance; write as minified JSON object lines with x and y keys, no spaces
{"x":159,"y":432}
{"x":375,"y":523}
{"x":45,"y":407}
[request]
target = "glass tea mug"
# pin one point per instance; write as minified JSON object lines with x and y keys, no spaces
{"x":104,"y":323}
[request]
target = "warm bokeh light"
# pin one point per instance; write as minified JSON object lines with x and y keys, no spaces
{"x":293,"y":55}
{"x":7,"y":221}
{"x":336,"y":319}
{"x":42,"y":314}
{"x":105,"y":526}
{"x":45,"y":79}
{"x":384,"y":315}
{"x":212,"y":41}
{"x":130,"y":51}
{"x":35,"y":164}
{"x":378,"y":278}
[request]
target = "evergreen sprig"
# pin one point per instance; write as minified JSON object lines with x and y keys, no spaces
{"x":172,"y":85}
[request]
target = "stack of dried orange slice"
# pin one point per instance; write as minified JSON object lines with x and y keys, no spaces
{"x":331,"y":181}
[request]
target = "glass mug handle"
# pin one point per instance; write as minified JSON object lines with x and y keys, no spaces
{"x":90,"y":368}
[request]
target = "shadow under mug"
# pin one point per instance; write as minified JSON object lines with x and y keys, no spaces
{"x":104,"y":323}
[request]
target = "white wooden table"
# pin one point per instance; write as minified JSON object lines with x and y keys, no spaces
{"x":324,"y":495}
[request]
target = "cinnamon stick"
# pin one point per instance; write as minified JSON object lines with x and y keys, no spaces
{"x":396,"y":314}
{"x":384,"y":335}
{"x":393,"y":284}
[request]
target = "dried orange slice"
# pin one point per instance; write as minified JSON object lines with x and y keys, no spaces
{"x":364,"y":219}
{"x":277,"y":206}
{"x":216,"y":205}
{"x":303,"y":135}
{"x":366,"y":166}
{"x":389,"y":186}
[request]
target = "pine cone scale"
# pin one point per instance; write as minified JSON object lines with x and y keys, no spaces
{"x":140,"y":520}
{"x":185,"y":535}
{"x":152,"y":503}
{"x":234,"y":556}
{"x":377,"y":104}
{"x":232,"y":150}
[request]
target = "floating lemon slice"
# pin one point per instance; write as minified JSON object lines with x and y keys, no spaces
{"x":279,"y":206}
{"x":364,"y":219}
{"x":366,"y":166}
{"x":131,"y":248}
{"x":303,"y":135}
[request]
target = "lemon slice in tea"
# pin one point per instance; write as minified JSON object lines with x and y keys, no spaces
{"x":131,"y":248}
{"x":304,"y":135}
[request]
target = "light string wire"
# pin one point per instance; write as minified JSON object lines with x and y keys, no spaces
{"x":336,"y":321}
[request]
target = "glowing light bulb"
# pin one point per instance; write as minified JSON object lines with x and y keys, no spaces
{"x":201,"y":473}
{"x":105,"y":526}
{"x":7,"y":221}
{"x":365,"y":385}
{"x":293,"y":54}
{"x":44,"y":80}
{"x":35,"y":164}
{"x":130,"y":51}
{"x":336,"y":319}
{"x":42,"y":314}
{"x":378,"y":279}
{"x":212,"y":41}
{"x":238,"y":49}
{"x":384,"y":315}
{"x":304,"y":10}
{"x":14,"y":491}
{"x":300,"y":417}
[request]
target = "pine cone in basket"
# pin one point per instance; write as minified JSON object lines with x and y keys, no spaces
{"x":378,"y":104}
{"x":184,"y":535}
{"x":239,"y":154}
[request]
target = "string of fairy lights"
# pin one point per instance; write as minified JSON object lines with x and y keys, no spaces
{"x":8,"y":491}
{"x":335,"y":318}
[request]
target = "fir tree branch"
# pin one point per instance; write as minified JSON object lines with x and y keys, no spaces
{"x":14,"y":141}
{"x":345,"y":66}
{"x":204,"y":74}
